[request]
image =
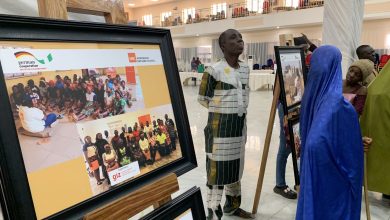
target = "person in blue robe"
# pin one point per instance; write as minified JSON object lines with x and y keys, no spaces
{"x":332,"y":147}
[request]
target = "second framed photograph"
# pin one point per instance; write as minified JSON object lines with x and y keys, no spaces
{"x":291,"y":71}
{"x":295,"y":144}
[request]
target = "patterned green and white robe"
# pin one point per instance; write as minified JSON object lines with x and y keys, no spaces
{"x":225,"y":92}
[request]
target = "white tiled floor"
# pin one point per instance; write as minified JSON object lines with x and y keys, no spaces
{"x":272,"y":206}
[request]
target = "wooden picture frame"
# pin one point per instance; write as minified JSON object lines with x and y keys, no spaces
{"x":292,"y":75}
{"x":17,"y":192}
{"x":188,"y":204}
{"x":295,"y":144}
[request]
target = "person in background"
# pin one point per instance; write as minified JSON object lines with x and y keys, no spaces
{"x":332,"y":148}
{"x":116,"y":141}
{"x":155,"y":127}
{"x":17,"y":97}
{"x":110,"y":159}
{"x":194,"y":67}
{"x":153,"y":147}
{"x":119,"y":104}
{"x":34,"y":88}
{"x":100,"y":143}
{"x":91,"y":156}
{"x":136,"y":132}
{"x":353,"y":89}
{"x":124,"y":155}
{"x":144,"y":145}
{"x":148,"y":127}
{"x":136,"y":152}
{"x":225,"y":132}
{"x":367,"y":52}
{"x":197,"y":62}
{"x":309,"y":49}
{"x":170,"y":125}
{"x":35,"y":120}
{"x":123,"y":135}
{"x":161,"y":139}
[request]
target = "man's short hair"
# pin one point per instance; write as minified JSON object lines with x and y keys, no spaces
{"x":360,"y":49}
{"x":221,"y":38}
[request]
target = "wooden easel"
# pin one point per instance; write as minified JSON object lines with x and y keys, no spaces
{"x":267,"y":143}
{"x":112,"y":11}
{"x":157,"y":194}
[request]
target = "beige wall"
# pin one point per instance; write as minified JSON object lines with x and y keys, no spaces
{"x":375,"y":33}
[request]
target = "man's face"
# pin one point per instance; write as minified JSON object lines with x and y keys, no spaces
{"x":368,"y":53}
{"x":232,"y":43}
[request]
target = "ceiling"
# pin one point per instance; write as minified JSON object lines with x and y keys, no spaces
{"x":142,"y":3}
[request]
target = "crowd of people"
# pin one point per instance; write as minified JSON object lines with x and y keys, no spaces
{"x":79,"y":97}
{"x":145,"y":143}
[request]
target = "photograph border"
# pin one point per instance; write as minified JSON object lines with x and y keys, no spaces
{"x":14,"y":182}
{"x":291,"y":123}
{"x":191,"y":199}
{"x":278,"y":51}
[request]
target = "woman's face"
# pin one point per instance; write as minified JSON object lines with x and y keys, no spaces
{"x":99,"y":136}
{"x":107,"y":148}
{"x":354,"y":75}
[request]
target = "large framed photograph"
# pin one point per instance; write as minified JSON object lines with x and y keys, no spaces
{"x":295,"y":144}
{"x":90,"y":112}
{"x":188,"y":206}
{"x":292,"y":74}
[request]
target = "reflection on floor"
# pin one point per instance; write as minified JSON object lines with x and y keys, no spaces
{"x":176,"y":154}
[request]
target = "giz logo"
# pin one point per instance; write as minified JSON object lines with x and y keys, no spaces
{"x":132,"y":57}
{"x":116,"y":176}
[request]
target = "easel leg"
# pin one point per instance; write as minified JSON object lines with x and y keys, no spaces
{"x":365,"y":188}
{"x":266,"y":146}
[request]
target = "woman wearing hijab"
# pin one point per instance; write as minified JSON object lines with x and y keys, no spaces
{"x":375,"y":123}
{"x":353,"y":89}
{"x":332,"y":148}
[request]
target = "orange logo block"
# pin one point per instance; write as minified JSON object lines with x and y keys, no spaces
{"x":132,"y":57}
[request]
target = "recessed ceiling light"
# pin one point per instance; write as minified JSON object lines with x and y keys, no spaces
{"x":131,"y":4}
{"x":154,"y":0}
{"x":197,"y":35}
{"x":277,"y":27}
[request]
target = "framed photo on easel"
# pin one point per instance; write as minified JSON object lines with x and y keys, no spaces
{"x":102,"y":115}
{"x":292,"y":74}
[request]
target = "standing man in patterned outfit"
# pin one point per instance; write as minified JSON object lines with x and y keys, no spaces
{"x":224,"y":92}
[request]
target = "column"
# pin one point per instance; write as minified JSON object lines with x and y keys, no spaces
{"x":342,"y":27}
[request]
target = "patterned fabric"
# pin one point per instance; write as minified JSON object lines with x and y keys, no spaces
{"x":233,"y":197}
{"x":225,"y":92}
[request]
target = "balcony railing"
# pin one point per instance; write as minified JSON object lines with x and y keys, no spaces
{"x":233,"y":11}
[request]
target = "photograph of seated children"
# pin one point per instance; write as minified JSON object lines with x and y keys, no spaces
{"x":56,"y":100}
{"x":292,"y":77}
{"x":148,"y":138}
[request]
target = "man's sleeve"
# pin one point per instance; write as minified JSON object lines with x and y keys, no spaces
{"x":206,"y":89}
